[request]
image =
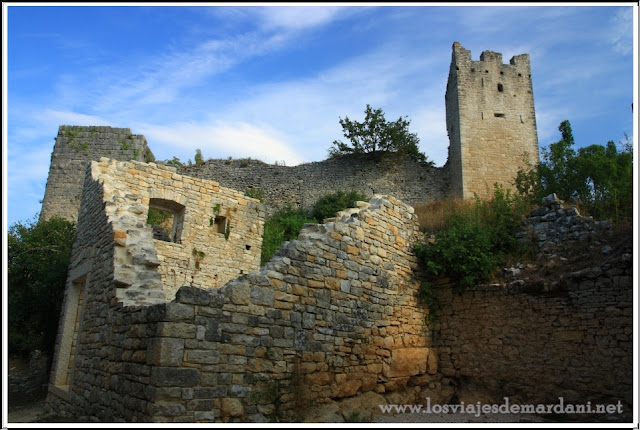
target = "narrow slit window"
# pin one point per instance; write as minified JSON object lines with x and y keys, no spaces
{"x":498,"y":115}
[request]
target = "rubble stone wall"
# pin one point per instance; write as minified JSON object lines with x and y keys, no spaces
{"x":534,"y":340}
{"x":75,"y":146}
{"x":334,"y":314}
{"x":301,"y":186}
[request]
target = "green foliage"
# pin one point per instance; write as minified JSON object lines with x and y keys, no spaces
{"x":38,"y":260}
{"x":470,"y":247}
{"x":227,"y":231}
{"x":375,"y":134}
{"x":148,"y":156}
{"x":427,"y":296}
{"x":79,"y":147}
{"x":198,"y":256}
{"x":199,"y":159}
{"x":135,"y":154}
{"x":328,"y":205}
{"x":284,"y":225}
{"x":71,"y":134}
{"x":174,"y":161}
{"x":598,"y":178}
{"x":255,"y":193}
{"x":124,"y":146}
{"x":158,"y":216}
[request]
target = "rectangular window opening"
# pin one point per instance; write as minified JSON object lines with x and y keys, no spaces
{"x":166,"y":217}
{"x":498,"y":115}
{"x":220,"y":224}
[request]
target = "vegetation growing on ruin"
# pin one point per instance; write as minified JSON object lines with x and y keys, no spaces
{"x":328,"y":205}
{"x":284,"y":225}
{"x":198,"y":157}
{"x":474,"y":239}
{"x":598,"y":179}
{"x":375,"y":135}
{"x":255,"y":193}
{"x":38,"y":259}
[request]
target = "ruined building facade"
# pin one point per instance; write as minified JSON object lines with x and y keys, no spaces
{"x":186,"y":326}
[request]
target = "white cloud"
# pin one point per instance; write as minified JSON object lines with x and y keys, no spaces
{"x":430,"y":125}
{"x":219,"y":140}
{"x":70,"y":118}
{"x":622,"y":31}
{"x":297,"y":17}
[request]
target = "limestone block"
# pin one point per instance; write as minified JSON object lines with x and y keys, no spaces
{"x":232,"y":407}
{"x":406,"y":362}
{"x":174,"y":377}
{"x":165,"y":352}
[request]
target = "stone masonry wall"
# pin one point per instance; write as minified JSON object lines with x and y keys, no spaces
{"x":412,"y":182}
{"x":490,"y":121}
{"x":534,"y":340}
{"x":333,"y":314}
{"x":75,"y":146}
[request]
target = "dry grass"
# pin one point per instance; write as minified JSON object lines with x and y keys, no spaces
{"x":432,"y":216}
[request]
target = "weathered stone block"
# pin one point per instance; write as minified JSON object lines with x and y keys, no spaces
{"x":232,"y":407}
{"x":174,"y":377}
{"x":165,"y":352}
{"x":406,"y":362}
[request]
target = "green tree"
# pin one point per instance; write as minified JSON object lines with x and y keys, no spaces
{"x":375,"y":135}
{"x":174,"y":161}
{"x":38,"y":260}
{"x":598,"y":178}
{"x":198,"y":157}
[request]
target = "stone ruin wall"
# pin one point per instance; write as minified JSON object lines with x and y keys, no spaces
{"x":75,"y":146}
{"x":333,"y":314}
{"x":491,"y":121}
{"x":534,"y":340}
{"x":301,"y":186}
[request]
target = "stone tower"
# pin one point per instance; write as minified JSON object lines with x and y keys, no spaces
{"x":75,"y":146}
{"x":491,"y":121}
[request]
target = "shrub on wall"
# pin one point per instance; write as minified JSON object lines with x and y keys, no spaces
{"x":469,"y":249}
{"x":328,"y":205}
{"x":284,"y":225}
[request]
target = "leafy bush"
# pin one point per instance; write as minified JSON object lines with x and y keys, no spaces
{"x":474,"y":240}
{"x":599,"y":179}
{"x":38,"y":260}
{"x":329,"y":205}
{"x":284,"y":225}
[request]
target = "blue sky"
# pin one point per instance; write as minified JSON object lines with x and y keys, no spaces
{"x":272,"y":82}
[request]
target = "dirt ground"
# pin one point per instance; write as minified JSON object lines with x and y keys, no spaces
{"x":27,"y":413}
